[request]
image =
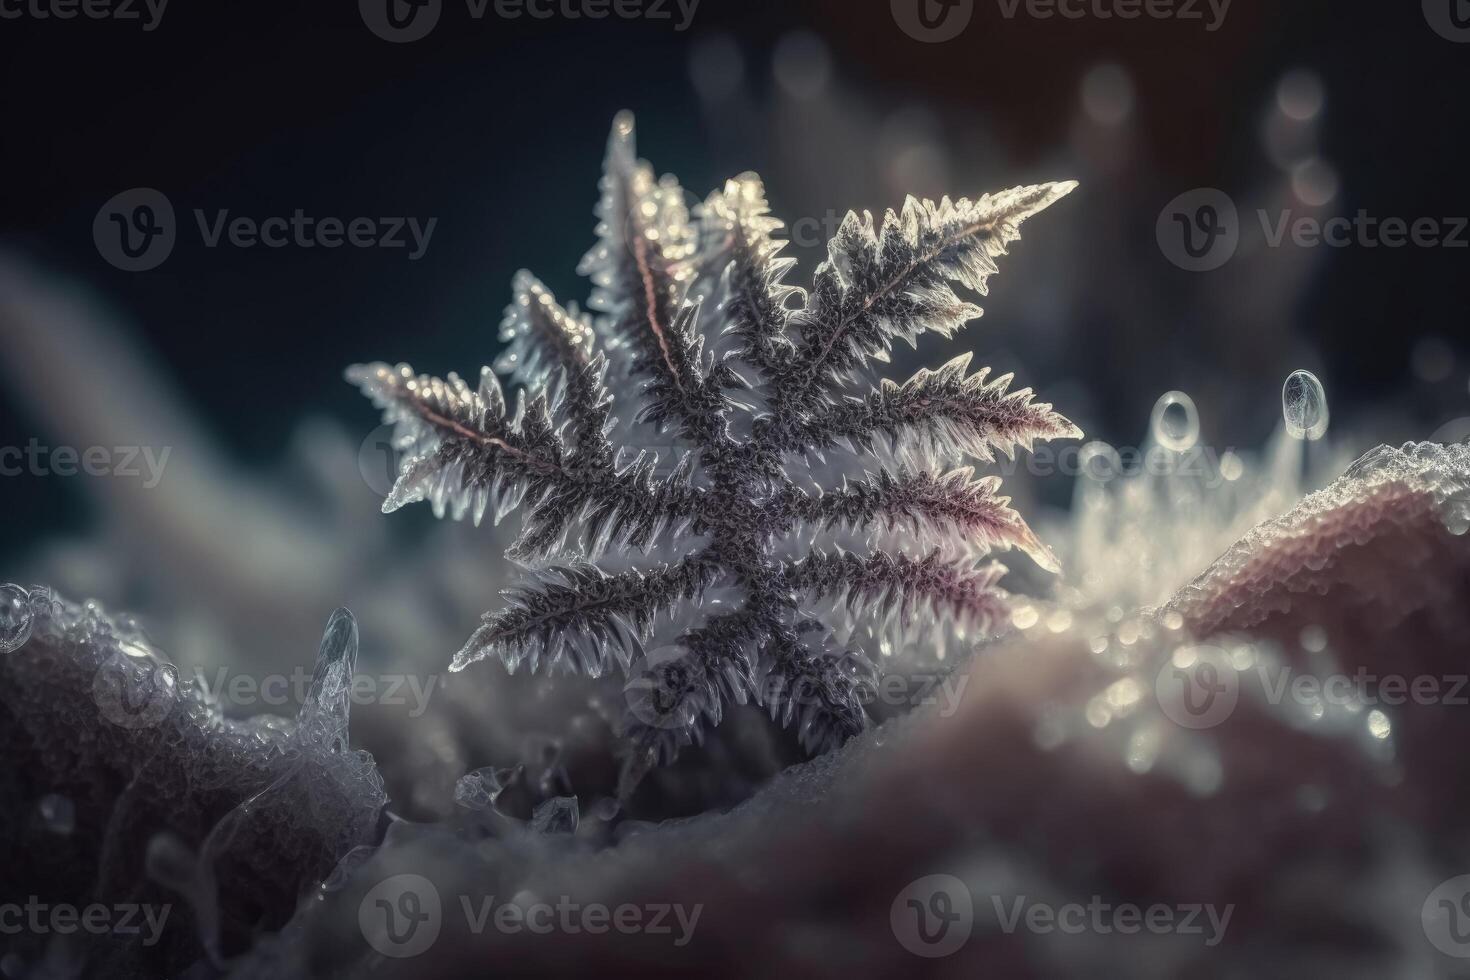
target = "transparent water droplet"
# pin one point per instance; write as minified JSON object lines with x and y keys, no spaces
{"x":1175,"y":423}
{"x":1304,"y":406}
{"x":1099,"y":461}
{"x":16,"y":618}
{"x":1458,"y":522}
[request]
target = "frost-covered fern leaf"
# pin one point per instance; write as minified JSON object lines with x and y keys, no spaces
{"x":696,"y":344}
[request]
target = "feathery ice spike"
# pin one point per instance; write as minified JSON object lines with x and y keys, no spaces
{"x":697,"y":339}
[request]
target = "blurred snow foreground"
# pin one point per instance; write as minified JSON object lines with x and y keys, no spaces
{"x":1071,"y":773}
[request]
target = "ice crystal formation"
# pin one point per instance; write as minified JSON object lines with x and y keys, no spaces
{"x":747,"y":384}
{"x":145,"y":792}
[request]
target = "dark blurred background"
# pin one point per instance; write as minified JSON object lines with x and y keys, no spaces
{"x":495,"y":127}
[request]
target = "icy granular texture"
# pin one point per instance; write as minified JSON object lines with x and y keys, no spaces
{"x":1057,"y":776}
{"x":1418,"y":495}
{"x":167,"y":802}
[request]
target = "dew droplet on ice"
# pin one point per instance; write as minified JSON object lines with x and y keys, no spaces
{"x":1175,"y":422}
{"x":1304,"y":406}
{"x":15,"y":618}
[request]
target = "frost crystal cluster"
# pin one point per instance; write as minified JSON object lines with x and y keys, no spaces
{"x":708,"y":442}
{"x":139,"y":789}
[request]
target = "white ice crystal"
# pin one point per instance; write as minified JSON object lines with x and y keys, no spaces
{"x":743,"y":381}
